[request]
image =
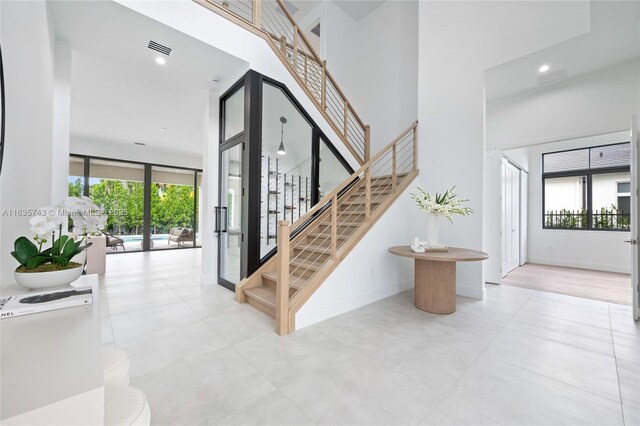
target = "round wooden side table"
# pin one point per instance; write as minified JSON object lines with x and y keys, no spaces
{"x":435,"y":276}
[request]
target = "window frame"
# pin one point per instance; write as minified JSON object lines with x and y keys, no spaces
{"x":147,"y":181}
{"x":589,"y":173}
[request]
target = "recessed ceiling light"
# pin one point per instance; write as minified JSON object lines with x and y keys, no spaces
{"x":162,"y":129}
{"x":160,"y":60}
{"x":544,"y":68}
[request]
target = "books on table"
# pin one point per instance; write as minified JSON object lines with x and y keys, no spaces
{"x":43,"y":301}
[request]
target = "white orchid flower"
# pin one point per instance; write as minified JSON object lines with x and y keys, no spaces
{"x":42,"y":226}
{"x":73,"y":203}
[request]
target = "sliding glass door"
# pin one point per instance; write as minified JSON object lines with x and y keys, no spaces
{"x":173,"y":208}
{"x":119,"y":187}
{"x":150,"y":207}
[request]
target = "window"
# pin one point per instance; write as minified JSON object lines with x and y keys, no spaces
{"x":587,"y":188}
{"x":234,"y":114}
{"x":168,"y":220}
{"x":173,"y":206}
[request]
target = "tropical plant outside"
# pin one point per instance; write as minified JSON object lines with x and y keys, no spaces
{"x":171,"y":205}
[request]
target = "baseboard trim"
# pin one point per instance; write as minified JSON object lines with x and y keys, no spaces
{"x":582,"y":265}
{"x":304,"y":319}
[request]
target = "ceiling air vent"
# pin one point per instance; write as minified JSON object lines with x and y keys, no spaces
{"x":160,"y":48}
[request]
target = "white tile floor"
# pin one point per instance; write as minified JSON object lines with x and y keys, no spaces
{"x":518,"y":357}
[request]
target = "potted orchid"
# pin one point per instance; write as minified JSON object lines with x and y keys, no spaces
{"x":54,"y":258}
{"x":446,"y":204}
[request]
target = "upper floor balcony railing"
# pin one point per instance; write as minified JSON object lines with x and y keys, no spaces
{"x":277,"y":26}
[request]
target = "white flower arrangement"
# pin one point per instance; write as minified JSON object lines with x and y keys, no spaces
{"x":446,"y":204}
{"x":86,"y":219}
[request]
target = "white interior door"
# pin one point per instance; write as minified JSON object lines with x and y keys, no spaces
{"x":510,"y":217}
{"x":524,"y":217}
{"x":635,"y":210}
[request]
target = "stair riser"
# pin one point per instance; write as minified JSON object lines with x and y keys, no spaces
{"x":342,"y":230}
{"x":351,"y":213}
{"x":324,"y":240}
{"x":261,"y":306}
{"x":311,"y":256}
{"x":272,"y":285}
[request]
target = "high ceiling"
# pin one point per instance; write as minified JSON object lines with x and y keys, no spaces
{"x":120,"y":95}
{"x":613,"y":39}
{"x":356,"y":9}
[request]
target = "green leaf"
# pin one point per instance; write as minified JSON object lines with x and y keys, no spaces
{"x":35,"y":261}
{"x":59,"y":244}
{"x":24,"y":248}
{"x":60,"y":260}
{"x":68,"y":249}
{"x":21,"y":260}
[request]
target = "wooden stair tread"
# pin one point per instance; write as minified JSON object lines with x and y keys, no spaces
{"x":325,"y":234}
{"x":306,"y":264}
{"x":273,"y":276}
{"x":359,"y":202}
{"x":343,"y":223}
{"x":315,"y":248}
{"x":264,"y":295}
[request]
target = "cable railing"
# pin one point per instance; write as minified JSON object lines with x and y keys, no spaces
{"x":331,"y":227}
{"x":281,"y":31}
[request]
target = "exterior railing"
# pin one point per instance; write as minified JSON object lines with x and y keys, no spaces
{"x":604,"y":219}
{"x":280,"y":30}
{"x":337,"y":218}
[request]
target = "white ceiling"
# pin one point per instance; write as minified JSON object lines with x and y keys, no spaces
{"x":356,"y":9}
{"x":119,"y":95}
{"x":612,"y":39}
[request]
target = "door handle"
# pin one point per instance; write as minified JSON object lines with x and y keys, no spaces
{"x":217,"y":220}
{"x":226,"y":219}
{"x":632,"y":241}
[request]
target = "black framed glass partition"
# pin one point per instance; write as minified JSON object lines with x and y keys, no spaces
{"x":286,"y":179}
{"x":331,"y":171}
{"x":149,"y":206}
{"x":275,"y":163}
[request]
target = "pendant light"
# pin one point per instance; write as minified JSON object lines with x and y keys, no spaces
{"x":281,"y":150}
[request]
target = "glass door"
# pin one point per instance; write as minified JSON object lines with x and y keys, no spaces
{"x":229,"y":216}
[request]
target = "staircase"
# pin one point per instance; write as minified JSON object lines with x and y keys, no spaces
{"x":311,"y":248}
{"x":271,"y":20}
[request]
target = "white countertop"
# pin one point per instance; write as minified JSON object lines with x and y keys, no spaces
{"x":50,"y":356}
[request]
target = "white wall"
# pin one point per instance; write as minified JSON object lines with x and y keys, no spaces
{"x":599,"y":250}
{"x":369,"y":272}
{"x":605,"y":189}
{"x":209,"y":27}
{"x":458,"y":41}
{"x":61,"y":121}
{"x":375,"y":62}
{"x":519,"y":157}
{"x":209,"y":197}
{"x":110,"y":149}
{"x":28,"y":53}
{"x":594,"y":103}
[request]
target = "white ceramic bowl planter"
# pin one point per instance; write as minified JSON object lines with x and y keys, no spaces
{"x":40,"y":280}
